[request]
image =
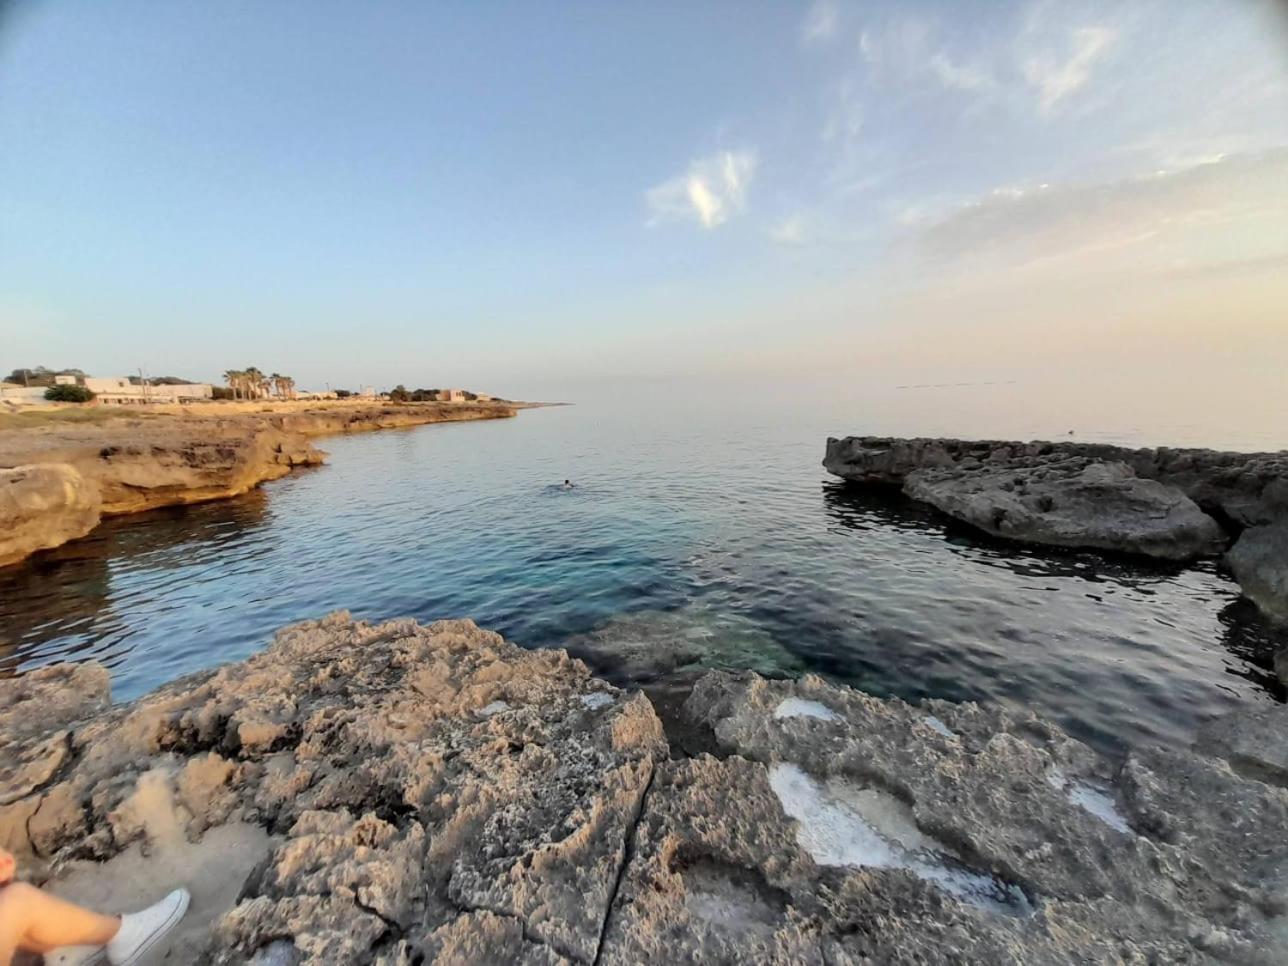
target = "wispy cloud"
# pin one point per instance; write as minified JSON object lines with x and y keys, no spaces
{"x":1200,"y":214}
{"x":1056,"y":77}
{"x":821,"y":22}
{"x":789,"y":231}
{"x":710,"y":192}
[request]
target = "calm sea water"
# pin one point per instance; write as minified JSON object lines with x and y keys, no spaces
{"x":696,"y":536}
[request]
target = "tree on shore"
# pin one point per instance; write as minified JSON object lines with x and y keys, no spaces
{"x":40,"y":376}
{"x":76,"y":394}
{"x":236,"y":380}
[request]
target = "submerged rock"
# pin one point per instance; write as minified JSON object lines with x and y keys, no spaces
{"x":394,"y":793}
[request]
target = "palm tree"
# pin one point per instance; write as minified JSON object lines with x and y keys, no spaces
{"x":235,"y":379}
{"x":254,"y":382}
{"x":275,"y":380}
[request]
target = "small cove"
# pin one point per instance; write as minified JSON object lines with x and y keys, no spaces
{"x":691,"y":540}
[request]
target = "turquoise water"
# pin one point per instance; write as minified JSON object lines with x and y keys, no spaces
{"x":692,"y":539}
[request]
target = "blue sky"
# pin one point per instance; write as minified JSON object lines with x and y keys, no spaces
{"x":523,"y":197}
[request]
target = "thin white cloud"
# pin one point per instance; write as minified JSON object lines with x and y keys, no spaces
{"x":962,"y":77}
{"x":1056,"y":78}
{"x":821,"y":22}
{"x":1205,"y":213}
{"x":909,"y":50}
{"x":789,"y":231}
{"x":844,"y":120}
{"x":710,"y":192}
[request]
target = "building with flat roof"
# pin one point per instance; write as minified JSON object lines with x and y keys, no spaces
{"x":119,"y":391}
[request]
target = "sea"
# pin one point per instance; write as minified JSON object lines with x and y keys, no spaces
{"x":701,"y":532}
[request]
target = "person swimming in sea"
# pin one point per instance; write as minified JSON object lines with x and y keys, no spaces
{"x":568,"y":484}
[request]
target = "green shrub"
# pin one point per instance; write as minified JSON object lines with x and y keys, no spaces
{"x":68,"y":394}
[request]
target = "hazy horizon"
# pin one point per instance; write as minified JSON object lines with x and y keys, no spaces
{"x":553,"y":202}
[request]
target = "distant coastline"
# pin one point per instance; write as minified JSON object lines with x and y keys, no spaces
{"x":66,"y":468}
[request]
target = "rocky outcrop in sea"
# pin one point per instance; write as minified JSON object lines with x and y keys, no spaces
{"x":395,"y":793}
{"x":1169,"y":504}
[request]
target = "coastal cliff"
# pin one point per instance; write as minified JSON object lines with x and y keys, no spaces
{"x":394,"y":793}
{"x":1170,"y":504}
{"x":58,"y":481}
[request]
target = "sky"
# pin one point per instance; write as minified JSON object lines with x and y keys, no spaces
{"x":538,"y":199}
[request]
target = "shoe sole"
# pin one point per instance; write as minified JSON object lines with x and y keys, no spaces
{"x":159,"y":933}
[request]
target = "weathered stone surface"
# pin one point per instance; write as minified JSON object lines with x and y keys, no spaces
{"x":63,"y":476}
{"x":1071,"y":502}
{"x":1254,"y":742}
{"x":1259,"y":561}
{"x":1174,"y":504}
{"x":41,"y":506}
{"x":1245,"y":488}
{"x":419,"y":782}
{"x":395,"y":793}
{"x":1173,"y":857}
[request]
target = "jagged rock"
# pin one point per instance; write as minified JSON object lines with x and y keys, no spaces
{"x":42,"y":506}
{"x":1071,"y":502}
{"x":1168,"y":503}
{"x":1245,"y":488}
{"x":420,"y":782}
{"x":37,"y":711}
{"x":394,"y":793}
{"x":1259,"y":561}
{"x":1254,"y":742}
{"x":1173,"y":857}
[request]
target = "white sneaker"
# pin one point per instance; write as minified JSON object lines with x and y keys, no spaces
{"x":141,"y":931}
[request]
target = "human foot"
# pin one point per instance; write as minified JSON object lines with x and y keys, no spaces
{"x":141,"y":931}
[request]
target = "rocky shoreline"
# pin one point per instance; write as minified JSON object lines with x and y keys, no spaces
{"x":395,"y":793}
{"x":1168,"y":504}
{"x":59,"y":481}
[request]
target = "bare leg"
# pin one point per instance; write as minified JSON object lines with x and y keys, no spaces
{"x":38,"y":922}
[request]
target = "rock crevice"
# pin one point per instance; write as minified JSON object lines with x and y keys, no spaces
{"x":394,"y":793}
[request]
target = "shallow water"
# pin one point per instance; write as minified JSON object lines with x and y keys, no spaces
{"x":694,"y":538}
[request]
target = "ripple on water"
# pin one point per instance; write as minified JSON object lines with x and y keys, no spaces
{"x":687,"y":544}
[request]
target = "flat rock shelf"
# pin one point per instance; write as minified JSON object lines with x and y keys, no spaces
{"x":1168,"y":504}
{"x":393,"y":793}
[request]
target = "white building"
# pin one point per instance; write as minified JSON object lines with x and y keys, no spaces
{"x":119,"y":391}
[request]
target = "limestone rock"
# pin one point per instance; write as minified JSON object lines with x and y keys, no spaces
{"x":1259,"y":561}
{"x":394,"y":793}
{"x":62,"y":477}
{"x":1151,"y":501}
{"x":421,"y":783}
{"x":42,"y":506}
{"x":1245,"y":488}
{"x":1071,"y":502}
{"x":1023,"y":838}
{"x":1254,"y":742}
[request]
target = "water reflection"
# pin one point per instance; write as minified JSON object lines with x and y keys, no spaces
{"x":73,"y":602}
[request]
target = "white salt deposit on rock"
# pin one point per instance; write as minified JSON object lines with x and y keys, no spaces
{"x":496,"y":707}
{"x":804,"y":708}
{"x":939,"y":726}
{"x":1099,"y":804}
{"x":598,"y":699}
{"x":843,"y":824}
